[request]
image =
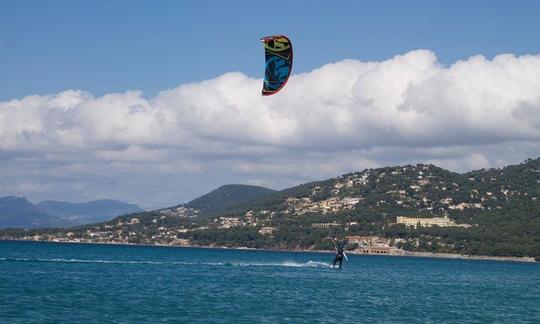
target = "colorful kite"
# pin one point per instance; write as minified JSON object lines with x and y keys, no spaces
{"x":278,"y":57}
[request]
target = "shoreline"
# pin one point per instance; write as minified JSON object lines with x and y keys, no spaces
{"x":467,"y":257}
{"x":401,"y":254}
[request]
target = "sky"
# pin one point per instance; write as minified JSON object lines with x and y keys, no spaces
{"x":157,"y":103}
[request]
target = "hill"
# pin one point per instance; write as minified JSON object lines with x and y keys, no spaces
{"x":88,"y":212}
{"x":19,"y":212}
{"x":226,"y":197}
{"x":490,"y":212}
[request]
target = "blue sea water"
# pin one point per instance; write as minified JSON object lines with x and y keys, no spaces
{"x":72,"y":283}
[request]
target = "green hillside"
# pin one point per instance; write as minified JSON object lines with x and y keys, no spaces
{"x":496,"y":212}
{"x":226,"y":197}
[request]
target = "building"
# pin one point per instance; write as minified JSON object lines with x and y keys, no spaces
{"x":377,"y":250}
{"x":324,"y":225}
{"x":267,"y":230}
{"x":228,"y":222}
{"x":372,"y":245}
{"x":425,"y":222}
{"x":360,"y":240}
{"x":182,"y":241}
{"x":368,"y":241}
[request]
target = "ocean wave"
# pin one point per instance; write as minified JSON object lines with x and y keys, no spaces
{"x":293,"y":264}
{"x":60,"y":260}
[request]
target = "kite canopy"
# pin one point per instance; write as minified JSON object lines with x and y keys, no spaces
{"x":278,"y":63}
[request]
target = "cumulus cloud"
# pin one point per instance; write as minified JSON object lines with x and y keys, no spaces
{"x":341,"y":117}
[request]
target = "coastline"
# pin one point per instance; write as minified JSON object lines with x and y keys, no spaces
{"x":401,"y":254}
{"x":468,"y":257}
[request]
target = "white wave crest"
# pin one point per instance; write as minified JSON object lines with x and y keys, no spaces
{"x":293,"y":264}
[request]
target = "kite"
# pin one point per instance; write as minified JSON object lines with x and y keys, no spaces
{"x":278,"y":63}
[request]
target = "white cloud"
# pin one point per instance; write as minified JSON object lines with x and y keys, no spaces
{"x":341,"y":117}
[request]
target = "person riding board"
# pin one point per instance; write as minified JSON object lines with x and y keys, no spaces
{"x":340,"y":250}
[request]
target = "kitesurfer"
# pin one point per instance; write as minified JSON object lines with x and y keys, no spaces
{"x":340,"y":250}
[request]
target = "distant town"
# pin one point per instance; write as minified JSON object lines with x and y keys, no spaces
{"x":119,"y":232}
{"x":391,"y":210}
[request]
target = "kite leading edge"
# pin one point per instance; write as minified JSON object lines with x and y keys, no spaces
{"x":278,"y":63}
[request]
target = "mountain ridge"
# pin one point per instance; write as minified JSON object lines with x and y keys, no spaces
{"x":17,"y":211}
{"x":94,"y":211}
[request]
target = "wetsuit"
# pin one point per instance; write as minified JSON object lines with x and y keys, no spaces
{"x":339,"y":255}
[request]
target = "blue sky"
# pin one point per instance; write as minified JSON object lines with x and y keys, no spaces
{"x":114,"y":46}
{"x":135,"y":100}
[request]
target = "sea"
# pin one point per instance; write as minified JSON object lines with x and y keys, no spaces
{"x":95,"y":283}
